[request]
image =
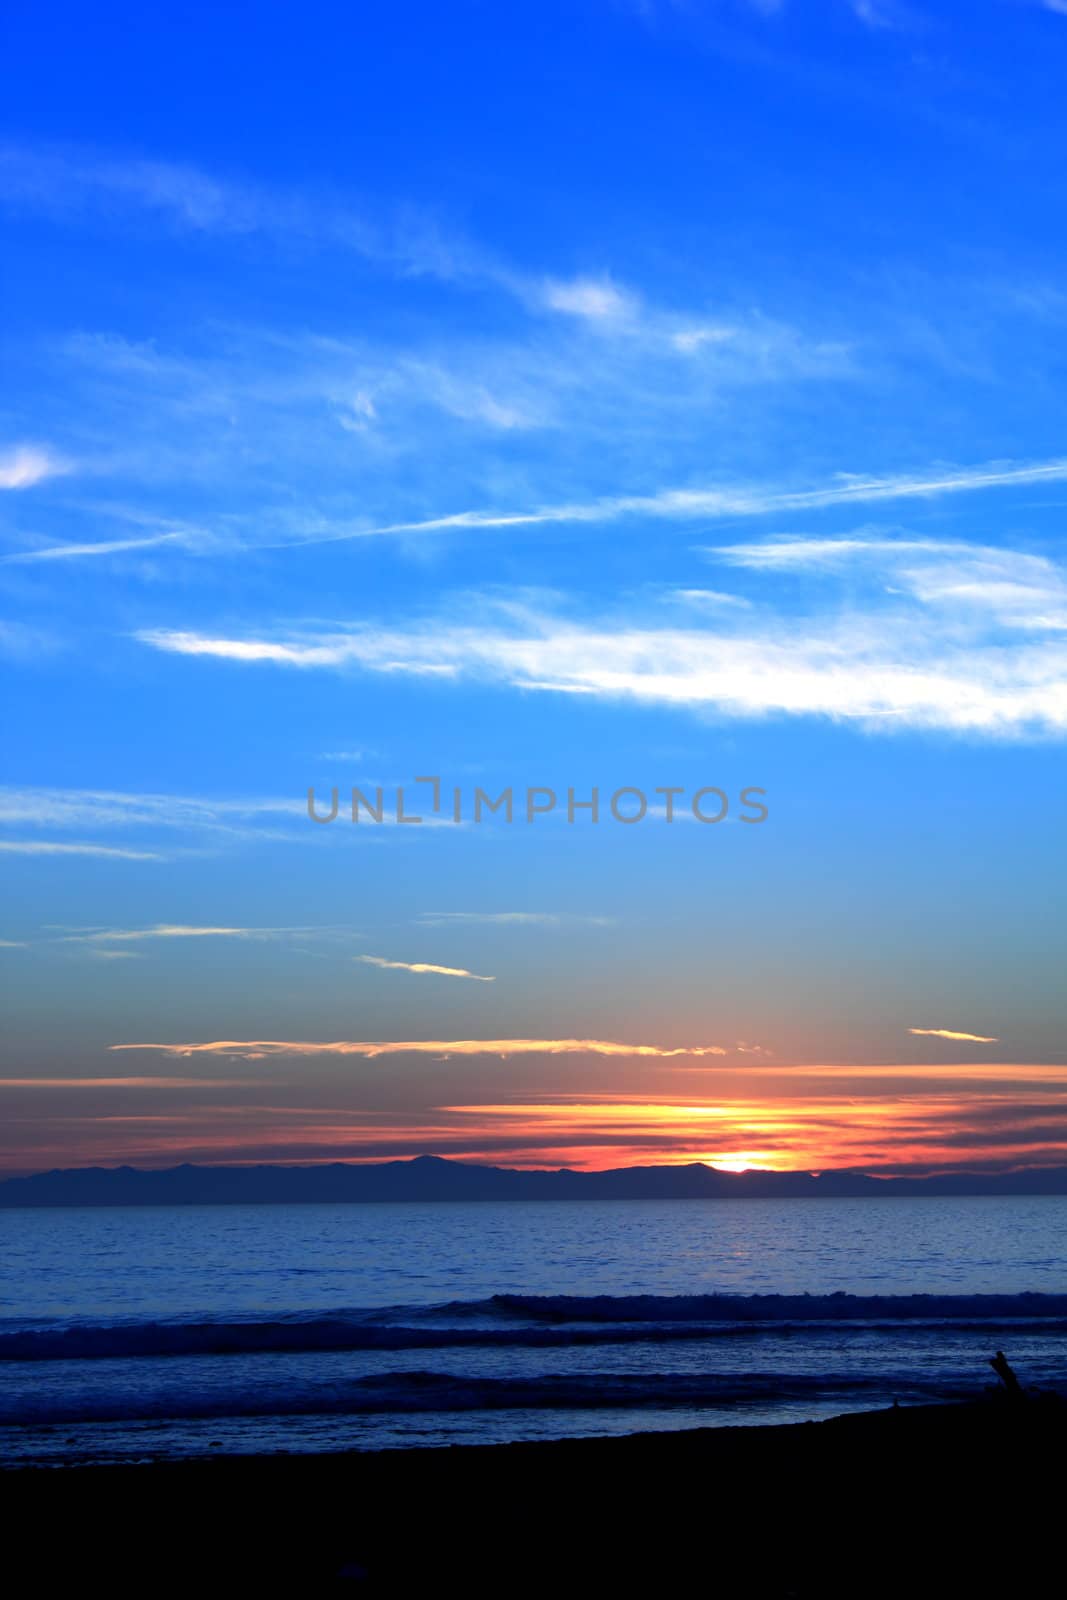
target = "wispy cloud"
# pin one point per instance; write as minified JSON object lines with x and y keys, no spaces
{"x":722,"y":502}
{"x":318,"y":405}
{"x":74,"y":552}
{"x":408,"y":242}
{"x":209,"y":823}
{"x":886,"y":15}
{"x":1016,"y":587}
{"x":951,"y":1033}
{"x":953,"y":637}
{"x":782,"y":554}
{"x":1008,"y":1075}
{"x":708,"y":599}
{"x":596,"y":300}
{"x":402,"y":240}
{"x":254,"y":1049}
{"x":165,"y":930}
{"x":330,"y":653}
{"x":422,"y":967}
{"x":107,"y":808}
{"x":22,"y":466}
{"x":69,"y":183}
{"x":695,"y":338}
{"x":49,"y":847}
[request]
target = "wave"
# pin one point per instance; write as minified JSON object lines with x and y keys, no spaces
{"x":127,"y":1341}
{"x":535,"y":1321}
{"x":435,"y":1392}
{"x":836,"y":1307}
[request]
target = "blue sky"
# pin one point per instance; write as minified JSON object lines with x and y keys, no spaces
{"x":593,"y":394}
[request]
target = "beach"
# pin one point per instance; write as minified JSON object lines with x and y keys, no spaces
{"x":926,"y":1500}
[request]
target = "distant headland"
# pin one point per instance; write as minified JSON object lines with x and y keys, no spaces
{"x":432,"y":1178}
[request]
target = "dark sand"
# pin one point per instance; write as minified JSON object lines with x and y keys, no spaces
{"x":946,"y":1500}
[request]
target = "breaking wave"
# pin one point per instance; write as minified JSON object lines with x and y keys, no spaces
{"x":536,"y":1321}
{"x":434,"y":1392}
{"x":767,"y":1307}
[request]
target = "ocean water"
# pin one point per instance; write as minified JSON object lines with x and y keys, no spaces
{"x":131,"y":1334}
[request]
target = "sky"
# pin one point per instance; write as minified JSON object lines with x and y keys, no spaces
{"x":661,"y":399}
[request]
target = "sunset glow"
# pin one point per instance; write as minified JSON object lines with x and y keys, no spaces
{"x":909,"y":1117}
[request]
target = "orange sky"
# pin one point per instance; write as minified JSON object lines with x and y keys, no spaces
{"x":913,"y":1117}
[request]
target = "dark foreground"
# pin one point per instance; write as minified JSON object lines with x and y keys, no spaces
{"x":946,"y":1500}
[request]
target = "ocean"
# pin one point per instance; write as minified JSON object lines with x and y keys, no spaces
{"x":162,"y":1332}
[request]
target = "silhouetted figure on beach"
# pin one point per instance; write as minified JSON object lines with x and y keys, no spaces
{"x":1002,"y":1367}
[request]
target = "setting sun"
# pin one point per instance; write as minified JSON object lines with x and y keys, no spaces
{"x":741,"y":1161}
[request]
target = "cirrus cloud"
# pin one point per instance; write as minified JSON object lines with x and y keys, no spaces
{"x":254,"y":1049}
{"x":944,"y":636}
{"x":422,"y":967}
{"x":49,"y":847}
{"x":951,"y":1033}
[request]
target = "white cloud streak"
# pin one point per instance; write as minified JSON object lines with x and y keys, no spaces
{"x":958,"y":637}
{"x":717,"y":503}
{"x":106,"y":808}
{"x":951,"y":1033}
{"x":210,"y":822}
{"x":256,"y":1049}
{"x":422,"y":967}
{"x":1015,"y":588}
{"x":48,"y":847}
{"x":72,"y":552}
{"x":165,"y":930}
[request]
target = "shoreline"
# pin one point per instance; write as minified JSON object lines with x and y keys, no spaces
{"x":940,"y":1500}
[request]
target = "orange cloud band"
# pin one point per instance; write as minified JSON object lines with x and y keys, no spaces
{"x":903,"y":1132}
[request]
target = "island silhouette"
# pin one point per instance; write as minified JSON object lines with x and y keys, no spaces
{"x":434,"y":1178}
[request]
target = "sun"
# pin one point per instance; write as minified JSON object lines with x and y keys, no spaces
{"x":741,"y":1160}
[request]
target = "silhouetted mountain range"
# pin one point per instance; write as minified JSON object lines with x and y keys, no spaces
{"x":433,"y":1178}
